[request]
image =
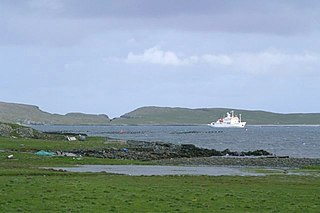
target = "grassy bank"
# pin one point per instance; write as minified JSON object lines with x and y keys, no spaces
{"x":26,"y":188}
{"x":29,"y":144}
{"x":65,"y":192}
{"x":24,"y":149}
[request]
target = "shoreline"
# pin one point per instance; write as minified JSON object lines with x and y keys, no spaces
{"x":274,"y":162}
{"x":248,"y":125}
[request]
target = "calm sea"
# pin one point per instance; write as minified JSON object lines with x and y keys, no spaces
{"x":294,"y":141}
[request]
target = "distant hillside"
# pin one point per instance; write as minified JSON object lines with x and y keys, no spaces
{"x":167,"y":115}
{"x":29,"y":114}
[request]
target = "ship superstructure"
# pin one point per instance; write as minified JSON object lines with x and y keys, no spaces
{"x":231,"y":120}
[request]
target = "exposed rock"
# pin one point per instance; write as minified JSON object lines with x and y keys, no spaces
{"x":18,"y":131}
{"x":141,"y":150}
{"x":24,"y":132}
{"x":5,"y":130}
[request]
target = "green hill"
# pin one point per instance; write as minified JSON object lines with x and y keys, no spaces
{"x":167,"y":115}
{"x":29,"y":114}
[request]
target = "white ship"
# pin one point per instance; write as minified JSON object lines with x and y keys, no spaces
{"x":230,"y":121}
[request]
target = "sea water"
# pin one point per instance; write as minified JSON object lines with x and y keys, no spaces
{"x":293,"y":141}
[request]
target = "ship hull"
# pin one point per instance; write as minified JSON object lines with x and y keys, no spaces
{"x":225,"y":125}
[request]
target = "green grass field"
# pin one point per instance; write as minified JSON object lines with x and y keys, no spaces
{"x":28,"y":144}
{"x":58,"y":191}
{"x":26,"y":188}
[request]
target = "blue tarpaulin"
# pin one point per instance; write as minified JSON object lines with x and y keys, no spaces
{"x":44,"y":153}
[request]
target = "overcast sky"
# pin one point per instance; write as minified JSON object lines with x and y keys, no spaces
{"x":112,"y":56}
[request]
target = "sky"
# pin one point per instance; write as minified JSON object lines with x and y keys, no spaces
{"x":111,"y":57}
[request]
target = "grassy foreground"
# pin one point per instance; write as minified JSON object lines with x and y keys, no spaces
{"x":64,"y":192}
{"x":26,"y":188}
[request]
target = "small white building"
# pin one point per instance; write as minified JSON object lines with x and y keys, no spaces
{"x":71,"y":138}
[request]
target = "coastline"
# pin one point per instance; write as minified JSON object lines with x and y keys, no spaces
{"x":268,"y":162}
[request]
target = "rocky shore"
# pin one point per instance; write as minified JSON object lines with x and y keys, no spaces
{"x":141,"y":150}
{"x":189,"y":155}
{"x":273,"y":162}
{"x":167,"y":153}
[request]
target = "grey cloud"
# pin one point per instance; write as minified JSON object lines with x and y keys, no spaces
{"x":164,"y":8}
{"x":72,"y":20}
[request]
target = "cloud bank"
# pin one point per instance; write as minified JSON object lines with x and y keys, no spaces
{"x":261,"y":62}
{"x":155,"y":55}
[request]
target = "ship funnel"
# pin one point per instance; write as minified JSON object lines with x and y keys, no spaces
{"x":240,"y":117}
{"x":232,"y":113}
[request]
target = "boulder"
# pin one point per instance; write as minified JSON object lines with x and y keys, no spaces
{"x":5,"y":130}
{"x":24,"y":132}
